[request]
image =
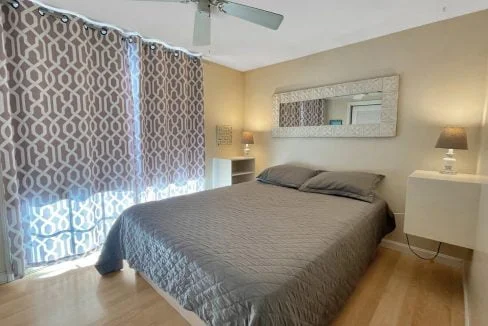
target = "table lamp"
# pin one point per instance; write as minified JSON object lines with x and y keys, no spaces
{"x":451,"y":138}
{"x":247,"y":139}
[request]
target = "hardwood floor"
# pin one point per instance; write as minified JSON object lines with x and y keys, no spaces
{"x":396,"y":290}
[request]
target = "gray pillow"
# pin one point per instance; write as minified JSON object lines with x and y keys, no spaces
{"x":286,"y":175}
{"x":357,"y":185}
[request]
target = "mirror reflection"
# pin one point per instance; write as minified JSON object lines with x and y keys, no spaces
{"x":342,"y":110}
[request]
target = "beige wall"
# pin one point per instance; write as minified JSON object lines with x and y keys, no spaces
{"x":477,"y":272}
{"x":483,"y":154}
{"x":224,"y":105}
{"x":478,"y":268}
{"x":336,"y":110}
{"x":442,"y":71}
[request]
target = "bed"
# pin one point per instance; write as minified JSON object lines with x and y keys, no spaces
{"x":253,"y":253}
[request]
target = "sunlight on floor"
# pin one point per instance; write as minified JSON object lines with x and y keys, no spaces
{"x":61,"y":268}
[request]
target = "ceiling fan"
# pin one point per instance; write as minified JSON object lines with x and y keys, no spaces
{"x":201,"y":31}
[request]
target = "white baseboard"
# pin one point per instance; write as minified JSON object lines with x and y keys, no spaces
{"x":441,"y":259}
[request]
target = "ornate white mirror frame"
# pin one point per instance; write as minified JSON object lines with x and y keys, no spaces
{"x":388,"y":86}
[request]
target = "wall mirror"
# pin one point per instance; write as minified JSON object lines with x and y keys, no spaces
{"x":365,"y":108}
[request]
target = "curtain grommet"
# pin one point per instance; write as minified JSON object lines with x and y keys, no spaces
{"x":14,"y":4}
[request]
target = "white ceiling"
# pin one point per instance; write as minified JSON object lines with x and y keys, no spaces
{"x":310,"y":26}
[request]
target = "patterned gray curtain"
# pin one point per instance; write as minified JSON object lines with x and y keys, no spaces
{"x":78,"y":145}
{"x":171,"y":106}
{"x":313,"y":113}
{"x":305,"y":113}
{"x":290,"y":114}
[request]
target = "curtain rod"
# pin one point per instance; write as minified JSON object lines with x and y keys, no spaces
{"x":91,"y":22}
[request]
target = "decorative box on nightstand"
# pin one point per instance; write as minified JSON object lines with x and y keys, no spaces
{"x":233,"y":170}
{"x":443,"y":207}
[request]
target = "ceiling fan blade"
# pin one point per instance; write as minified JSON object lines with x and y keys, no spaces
{"x":201,"y":29}
{"x":254,"y":15}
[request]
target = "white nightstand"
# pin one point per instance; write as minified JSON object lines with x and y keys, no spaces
{"x":233,"y":170}
{"x":443,"y":207}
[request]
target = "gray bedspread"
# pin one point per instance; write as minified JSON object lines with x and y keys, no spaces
{"x":253,"y":253}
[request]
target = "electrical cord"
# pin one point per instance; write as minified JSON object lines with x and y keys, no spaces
{"x":419,"y":256}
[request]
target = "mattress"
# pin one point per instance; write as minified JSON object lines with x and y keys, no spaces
{"x":253,"y":253}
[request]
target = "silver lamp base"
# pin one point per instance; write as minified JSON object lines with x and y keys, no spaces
{"x":449,"y":163}
{"x":247,"y":150}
